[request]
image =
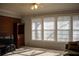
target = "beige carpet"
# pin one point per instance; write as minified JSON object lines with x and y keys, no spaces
{"x":31,"y":51}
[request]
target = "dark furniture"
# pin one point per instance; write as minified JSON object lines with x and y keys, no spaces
{"x":8,"y":44}
{"x":2,"y":51}
{"x":73,"y":48}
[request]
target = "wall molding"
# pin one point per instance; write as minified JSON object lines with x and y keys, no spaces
{"x":4,"y":12}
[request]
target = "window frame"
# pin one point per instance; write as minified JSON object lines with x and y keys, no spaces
{"x":56,"y":29}
{"x":63,"y":29}
{"x":73,"y":27}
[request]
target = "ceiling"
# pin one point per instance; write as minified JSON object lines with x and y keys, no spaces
{"x":24,"y":8}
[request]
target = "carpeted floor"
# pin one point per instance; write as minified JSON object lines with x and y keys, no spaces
{"x":31,"y":51}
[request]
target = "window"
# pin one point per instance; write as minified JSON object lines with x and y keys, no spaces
{"x":36,"y":29}
{"x":49,"y":27}
{"x":75,"y":28}
{"x":63,"y":27}
{"x":63,"y":36}
{"x":75,"y":35}
{"x":43,"y":28}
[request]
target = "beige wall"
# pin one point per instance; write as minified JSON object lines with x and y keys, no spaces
{"x":48,"y":44}
{"x":27,"y":27}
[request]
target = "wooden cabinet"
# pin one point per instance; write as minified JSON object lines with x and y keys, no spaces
{"x":19,"y":34}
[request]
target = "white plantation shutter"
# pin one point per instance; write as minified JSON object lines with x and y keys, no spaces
{"x":75,"y":28}
{"x":63,"y":27}
{"x":49,"y":28}
{"x":36,"y":29}
{"x":60,"y":29}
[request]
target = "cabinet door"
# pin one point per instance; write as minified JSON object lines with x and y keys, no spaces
{"x":21,"y":29}
{"x":20,"y":40}
{"x":20,"y":34}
